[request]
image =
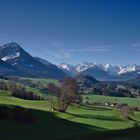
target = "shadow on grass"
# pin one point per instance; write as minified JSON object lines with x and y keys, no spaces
{"x":134,"y":120}
{"x":47,"y":126}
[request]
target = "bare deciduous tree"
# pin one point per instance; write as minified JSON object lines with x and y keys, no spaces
{"x":66,"y":94}
{"x":69,"y":92}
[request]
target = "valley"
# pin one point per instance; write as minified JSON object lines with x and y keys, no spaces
{"x":33,"y":93}
{"x":86,"y":120}
{"x":69,"y":70}
{"x":73,"y":102}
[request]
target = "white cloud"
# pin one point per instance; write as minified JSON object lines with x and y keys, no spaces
{"x":135,"y":46}
{"x":92,"y":49}
{"x":55,"y":49}
{"x":59,"y":51}
{"x":55,"y":44}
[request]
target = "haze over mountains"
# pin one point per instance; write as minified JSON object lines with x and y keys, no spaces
{"x":14,"y":61}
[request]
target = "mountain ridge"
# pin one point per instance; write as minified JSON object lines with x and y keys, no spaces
{"x":22,"y":63}
{"x":120,"y":72}
{"x":16,"y":56}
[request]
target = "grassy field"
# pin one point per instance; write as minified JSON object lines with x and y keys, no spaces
{"x":104,"y":99}
{"x":78,"y":123}
{"x":41,"y":80}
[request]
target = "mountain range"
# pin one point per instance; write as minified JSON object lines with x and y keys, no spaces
{"x":15,"y":61}
{"x":102,"y":71}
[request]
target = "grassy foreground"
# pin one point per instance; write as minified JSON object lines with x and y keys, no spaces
{"x":78,"y":123}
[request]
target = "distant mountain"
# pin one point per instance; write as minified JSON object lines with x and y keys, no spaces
{"x":97,"y":73}
{"x":102,"y":72}
{"x":16,"y":61}
{"x":68,"y":69}
{"x":13,"y":54}
{"x":84,"y":68}
{"x":86,"y":82}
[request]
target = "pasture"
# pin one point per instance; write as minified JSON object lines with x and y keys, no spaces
{"x":78,"y":123}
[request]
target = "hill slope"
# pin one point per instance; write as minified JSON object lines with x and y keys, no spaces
{"x":86,"y":82}
{"x":8,"y":70}
{"x":13,"y":54}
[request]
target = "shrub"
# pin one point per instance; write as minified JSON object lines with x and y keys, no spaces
{"x":127,"y":111}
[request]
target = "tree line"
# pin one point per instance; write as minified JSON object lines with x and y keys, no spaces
{"x":19,"y":91}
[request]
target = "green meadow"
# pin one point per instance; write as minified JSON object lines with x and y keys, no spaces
{"x":78,"y":123}
{"x":104,"y":99}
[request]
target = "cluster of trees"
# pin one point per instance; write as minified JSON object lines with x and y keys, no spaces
{"x":112,"y":89}
{"x":24,"y":94}
{"x":64,"y":95}
{"x":117,"y":92}
{"x":19,"y":91}
{"x":7,"y":85}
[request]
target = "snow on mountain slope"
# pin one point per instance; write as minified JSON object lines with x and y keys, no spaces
{"x":68,"y":69}
{"x":112,"y":70}
{"x":128,"y":68}
{"x":65,"y":66}
{"x":15,"y":55}
{"x":11,"y":56}
{"x":10,"y":51}
{"x":84,"y":66}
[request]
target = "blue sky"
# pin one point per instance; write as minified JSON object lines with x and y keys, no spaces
{"x":72,"y":31}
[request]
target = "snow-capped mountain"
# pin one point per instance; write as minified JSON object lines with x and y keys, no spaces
{"x":128,"y":68}
{"x":102,"y":71}
{"x":84,"y":68}
{"x":118,"y":70}
{"x":10,"y":51}
{"x":68,"y":69}
{"x":16,"y":61}
{"x":14,"y":55}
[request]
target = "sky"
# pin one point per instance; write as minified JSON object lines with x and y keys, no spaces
{"x":73,"y":31}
